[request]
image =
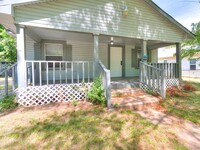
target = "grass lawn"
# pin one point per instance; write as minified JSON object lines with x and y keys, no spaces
{"x":66,"y":126}
{"x":187,"y":107}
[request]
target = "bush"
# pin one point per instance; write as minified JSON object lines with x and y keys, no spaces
{"x":7,"y":103}
{"x":96,"y":94}
{"x":188,"y":87}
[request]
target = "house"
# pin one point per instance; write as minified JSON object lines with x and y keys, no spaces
{"x":62,"y":45}
{"x":190,"y":66}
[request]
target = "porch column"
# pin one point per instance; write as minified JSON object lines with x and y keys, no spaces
{"x":178,"y":61}
{"x":144,"y":50}
{"x":21,"y":71}
{"x":95,"y":55}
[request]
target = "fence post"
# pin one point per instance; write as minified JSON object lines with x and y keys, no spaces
{"x":13,"y":79}
{"x":108,"y":89}
{"x":163,"y":84}
{"x":6,"y":82}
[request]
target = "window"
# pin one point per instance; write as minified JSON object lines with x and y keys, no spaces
{"x":53,"y":52}
{"x":193,"y":64}
{"x":135,"y":58}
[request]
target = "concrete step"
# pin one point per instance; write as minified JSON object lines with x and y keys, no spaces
{"x":124,"y":84}
{"x":133,"y":98}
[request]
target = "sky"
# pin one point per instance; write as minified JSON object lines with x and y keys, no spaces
{"x":185,"y":12}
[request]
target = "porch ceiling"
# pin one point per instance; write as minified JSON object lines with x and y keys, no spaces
{"x":38,"y":34}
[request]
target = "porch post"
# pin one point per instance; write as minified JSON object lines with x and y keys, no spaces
{"x":144,"y":51}
{"x":95,"y":55}
{"x":178,"y":61}
{"x":21,"y":71}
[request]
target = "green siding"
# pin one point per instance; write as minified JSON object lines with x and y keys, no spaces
{"x":103,"y":16}
{"x":130,"y":71}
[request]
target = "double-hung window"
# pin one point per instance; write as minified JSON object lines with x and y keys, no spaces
{"x":53,"y":52}
{"x":193,"y":64}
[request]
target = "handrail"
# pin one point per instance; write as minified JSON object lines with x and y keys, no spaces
{"x":105,"y":74}
{"x":8,"y":68}
{"x":13,"y":68}
{"x":151,"y":66}
{"x":44,"y":61}
{"x":152,"y":78}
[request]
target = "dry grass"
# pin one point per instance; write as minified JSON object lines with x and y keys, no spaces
{"x":185,"y":103}
{"x":84,"y":126}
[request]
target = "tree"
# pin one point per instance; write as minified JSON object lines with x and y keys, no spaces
{"x":8,"y":52}
{"x":192,"y":46}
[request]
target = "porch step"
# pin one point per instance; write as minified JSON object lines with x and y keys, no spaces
{"x":124,"y":84}
{"x":133,"y":98}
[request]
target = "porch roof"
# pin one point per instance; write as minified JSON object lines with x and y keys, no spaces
{"x":39,"y":34}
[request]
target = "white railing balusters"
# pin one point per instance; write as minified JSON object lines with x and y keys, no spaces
{"x":77,"y":70}
{"x":60,"y":73}
{"x":40,"y":73}
{"x":72,"y":66}
{"x":54,"y":73}
{"x":83,"y":72}
{"x":33,"y":73}
{"x":88,"y":71}
{"x":47,"y":73}
{"x":66,"y":71}
{"x":152,"y":78}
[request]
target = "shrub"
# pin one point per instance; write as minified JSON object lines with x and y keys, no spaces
{"x":96,"y":94}
{"x":188,"y":87}
{"x":7,"y":103}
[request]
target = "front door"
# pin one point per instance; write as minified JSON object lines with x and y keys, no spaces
{"x":116,"y":61}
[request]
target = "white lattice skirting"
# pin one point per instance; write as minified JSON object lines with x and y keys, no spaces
{"x":157,"y":86}
{"x":172,"y":82}
{"x":40,"y":95}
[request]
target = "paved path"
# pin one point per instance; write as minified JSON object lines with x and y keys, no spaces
{"x":187,"y":132}
{"x":133,"y":98}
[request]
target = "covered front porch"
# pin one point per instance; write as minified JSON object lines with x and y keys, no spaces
{"x":49,"y":58}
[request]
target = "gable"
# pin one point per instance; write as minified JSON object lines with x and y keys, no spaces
{"x":103,"y":16}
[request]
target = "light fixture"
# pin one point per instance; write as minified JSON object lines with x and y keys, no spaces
{"x":111,"y":41}
{"x":125,"y":10}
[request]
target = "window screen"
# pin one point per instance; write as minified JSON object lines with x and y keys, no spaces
{"x":54,"y":52}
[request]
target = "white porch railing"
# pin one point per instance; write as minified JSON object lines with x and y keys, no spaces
{"x":9,"y":80}
{"x":171,"y":69}
{"x":58,"y":72}
{"x":152,"y":79}
{"x":105,"y":74}
{"x":158,"y":77}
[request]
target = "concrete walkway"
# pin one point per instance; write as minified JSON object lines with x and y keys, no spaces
{"x":133,"y":98}
{"x":187,"y":132}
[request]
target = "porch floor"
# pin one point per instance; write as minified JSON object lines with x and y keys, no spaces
{"x":126,"y":93}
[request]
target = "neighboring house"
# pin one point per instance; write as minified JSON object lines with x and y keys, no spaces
{"x":190,"y":66}
{"x":60,"y":43}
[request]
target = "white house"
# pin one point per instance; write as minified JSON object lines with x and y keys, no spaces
{"x":190,"y":66}
{"x":60,"y":44}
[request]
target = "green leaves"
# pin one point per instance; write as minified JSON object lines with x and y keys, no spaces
{"x":8,"y":50}
{"x":96,"y":94}
{"x":192,"y":46}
